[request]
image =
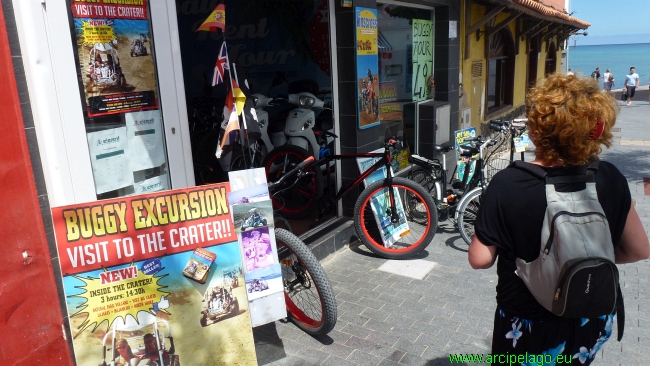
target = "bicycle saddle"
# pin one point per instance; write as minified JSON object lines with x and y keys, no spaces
{"x":443,"y":149}
{"x":467,"y":150}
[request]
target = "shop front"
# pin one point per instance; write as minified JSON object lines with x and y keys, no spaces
{"x":126,"y":102}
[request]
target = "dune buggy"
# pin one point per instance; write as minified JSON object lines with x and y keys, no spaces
{"x":134,"y":333}
{"x":220,"y":304}
{"x":138,"y":48}
{"x":104,"y":67}
{"x":257,"y":286}
{"x":252,"y":219}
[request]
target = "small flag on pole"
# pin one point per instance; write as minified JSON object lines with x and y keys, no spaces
{"x":217,"y":19}
{"x":221,"y":66}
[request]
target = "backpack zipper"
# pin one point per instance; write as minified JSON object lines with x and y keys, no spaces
{"x":549,"y":242}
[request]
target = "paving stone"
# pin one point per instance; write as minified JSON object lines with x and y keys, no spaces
{"x":337,"y":361}
{"x":356,"y":331}
{"x":363,"y":358}
{"x":389,"y":353}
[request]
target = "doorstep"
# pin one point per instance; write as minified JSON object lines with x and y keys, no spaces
{"x":331,"y":238}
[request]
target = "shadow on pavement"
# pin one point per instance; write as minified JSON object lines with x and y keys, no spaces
{"x":633,"y":164}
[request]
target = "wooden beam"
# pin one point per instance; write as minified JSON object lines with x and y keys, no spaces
{"x":486,"y":18}
{"x":540,"y":29}
{"x":530,"y":28}
{"x":496,"y":28}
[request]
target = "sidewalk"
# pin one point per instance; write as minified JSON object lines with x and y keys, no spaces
{"x":392,"y":319}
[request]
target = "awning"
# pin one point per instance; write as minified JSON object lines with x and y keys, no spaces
{"x":541,"y":11}
{"x":383,"y":44}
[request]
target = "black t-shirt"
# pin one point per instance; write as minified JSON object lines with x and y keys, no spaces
{"x":512,"y":214}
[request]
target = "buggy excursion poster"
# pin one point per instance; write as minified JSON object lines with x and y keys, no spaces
{"x":367,"y":66}
{"x":127,"y":266}
{"x":114,"y":50}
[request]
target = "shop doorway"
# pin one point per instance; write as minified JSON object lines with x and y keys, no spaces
{"x":279,"y":48}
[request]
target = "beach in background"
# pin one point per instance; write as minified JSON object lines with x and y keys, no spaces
{"x":616,"y":57}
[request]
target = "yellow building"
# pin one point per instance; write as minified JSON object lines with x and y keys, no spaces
{"x":505,"y":47}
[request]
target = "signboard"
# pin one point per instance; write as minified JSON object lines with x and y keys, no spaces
{"x":253,"y":217}
{"x":390,"y":232}
{"x":422,"y":58}
{"x":127,"y":267}
{"x":367,"y":67}
{"x":460,"y":137}
{"x":115,"y":61}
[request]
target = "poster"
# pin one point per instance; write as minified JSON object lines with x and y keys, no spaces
{"x":460,"y":137}
{"x":155,"y":184}
{"x":252,"y":213}
{"x":390,"y":232}
{"x":122,"y":262}
{"x":114,"y":52}
{"x":422,"y":58}
{"x":144,"y":131}
{"x":110,"y":160}
{"x":367,"y":66}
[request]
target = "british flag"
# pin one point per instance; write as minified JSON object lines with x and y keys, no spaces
{"x":221,"y":66}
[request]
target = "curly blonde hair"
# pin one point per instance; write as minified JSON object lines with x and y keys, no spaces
{"x":562,"y":112}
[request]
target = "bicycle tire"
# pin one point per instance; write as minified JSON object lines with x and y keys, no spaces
{"x":427,"y":180}
{"x":312,"y":309}
{"x":298,"y":201}
{"x":420,"y":232}
{"x":467,"y":210}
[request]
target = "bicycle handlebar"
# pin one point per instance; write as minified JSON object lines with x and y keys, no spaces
{"x":271,"y":186}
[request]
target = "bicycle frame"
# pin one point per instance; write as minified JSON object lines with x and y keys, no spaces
{"x":384,"y":160}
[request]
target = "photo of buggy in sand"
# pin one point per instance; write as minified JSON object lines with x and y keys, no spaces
{"x":139,"y":344}
{"x":257,"y":285}
{"x":253,"y":215}
{"x":137,"y":46}
{"x":104,"y":70}
{"x":220,"y":304}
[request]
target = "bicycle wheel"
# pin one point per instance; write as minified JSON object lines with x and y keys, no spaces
{"x":427,"y":181}
{"x":467,"y":210}
{"x":422,"y":220}
{"x":307,"y":291}
{"x":297,"y":201}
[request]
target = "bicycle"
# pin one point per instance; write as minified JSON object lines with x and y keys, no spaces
{"x":379,"y":214}
{"x":308,"y":294}
{"x":471,"y":202}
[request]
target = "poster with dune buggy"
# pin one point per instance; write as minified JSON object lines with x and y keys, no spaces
{"x":126,"y":291}
{"x":367,"y":67}
{"x":115,"y":59}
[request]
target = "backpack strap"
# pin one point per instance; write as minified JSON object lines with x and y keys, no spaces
{"x":620,"y":313}
{"x":537,"y":171}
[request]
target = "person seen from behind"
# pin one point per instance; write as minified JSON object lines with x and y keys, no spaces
{"x":569,"y":120}
{"x":570,"y":72}
{"x":608,"y":81}
{"x":631,"y":83}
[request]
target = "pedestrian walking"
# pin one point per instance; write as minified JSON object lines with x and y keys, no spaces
{"x":608,"y":81}
{"x":510,"y":221}
{"x":631,"y":83}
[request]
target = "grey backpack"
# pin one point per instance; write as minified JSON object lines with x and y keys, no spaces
{"x":575,"y":275}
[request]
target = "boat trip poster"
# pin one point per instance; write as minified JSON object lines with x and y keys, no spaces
{"x":132,"y":273}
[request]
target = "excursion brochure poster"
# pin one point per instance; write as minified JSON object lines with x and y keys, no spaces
{"x":367,"y":66}
{"x":422,"y":58}
{"x":460,"y":137}
{"x":115,"y":56}
{"x":128,"y":300}
{"x":380,"y":201}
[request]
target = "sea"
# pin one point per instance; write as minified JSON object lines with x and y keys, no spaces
{"x":616,"y":57}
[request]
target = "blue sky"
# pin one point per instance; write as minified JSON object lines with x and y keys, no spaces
{"x":613,"y":21}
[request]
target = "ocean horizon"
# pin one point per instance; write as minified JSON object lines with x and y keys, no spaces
{"x":617,"y":57}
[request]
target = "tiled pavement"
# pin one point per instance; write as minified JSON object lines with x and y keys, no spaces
{"x":389,"y":319}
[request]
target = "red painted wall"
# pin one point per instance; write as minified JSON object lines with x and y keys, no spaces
{"x":31,"y":324}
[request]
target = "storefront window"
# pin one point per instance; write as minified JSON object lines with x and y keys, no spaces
{"x":279,"y":47}
{"x":501,"y":65}
{"x":118,"y":82}
{"x":406,"y":75}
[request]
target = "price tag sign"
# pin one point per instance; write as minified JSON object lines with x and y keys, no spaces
{"x":422,"y":58}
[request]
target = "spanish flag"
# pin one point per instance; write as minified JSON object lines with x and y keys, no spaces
{"x":240,"y":97}
{"x":217,"y":19}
